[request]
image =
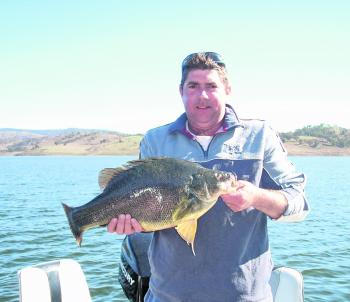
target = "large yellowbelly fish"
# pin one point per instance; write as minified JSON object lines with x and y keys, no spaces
{"x":159,"y":193}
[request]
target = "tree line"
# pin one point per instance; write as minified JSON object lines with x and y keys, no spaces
{"x":322,"y":134}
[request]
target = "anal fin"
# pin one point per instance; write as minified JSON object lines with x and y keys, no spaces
{"x":187,"y":231}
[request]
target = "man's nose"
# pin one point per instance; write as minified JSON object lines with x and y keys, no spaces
{"x":203,"y":93}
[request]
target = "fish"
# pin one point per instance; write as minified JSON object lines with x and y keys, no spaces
{"x":159,"y":193}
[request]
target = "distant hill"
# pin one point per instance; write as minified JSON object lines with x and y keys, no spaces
{"x":310,"y":140}
{"x":51,"y":132}
{"x":67,"y":142}
{"x":321,"y":139}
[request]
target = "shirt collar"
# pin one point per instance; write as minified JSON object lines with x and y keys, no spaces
{"x":231,"y":121}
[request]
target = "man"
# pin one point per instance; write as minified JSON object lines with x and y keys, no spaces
{"x":233,"y":260}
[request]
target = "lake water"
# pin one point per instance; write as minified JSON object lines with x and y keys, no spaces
{"x":34,"y":227}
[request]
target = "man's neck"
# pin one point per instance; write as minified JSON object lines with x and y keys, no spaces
{"x":202,"y":131}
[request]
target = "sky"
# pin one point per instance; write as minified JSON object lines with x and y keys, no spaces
{"x":115,"y":65}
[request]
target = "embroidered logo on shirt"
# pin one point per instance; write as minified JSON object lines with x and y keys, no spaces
{"x":232,"y":149}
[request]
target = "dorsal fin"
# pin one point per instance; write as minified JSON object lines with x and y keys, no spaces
{"x":106,"y":175}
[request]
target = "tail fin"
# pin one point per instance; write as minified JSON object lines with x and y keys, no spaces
{"x":77,"y":232}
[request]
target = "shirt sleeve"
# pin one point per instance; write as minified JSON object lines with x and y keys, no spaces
{"x":145,"y":148}
{"x":282,"y":172}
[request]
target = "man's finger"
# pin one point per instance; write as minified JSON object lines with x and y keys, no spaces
{"x":127,"y":226}
{"x":136,"y":226}
{"x":121,"y":224}
{"x":111,"y":225}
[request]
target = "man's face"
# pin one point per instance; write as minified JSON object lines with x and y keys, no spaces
{"x":204,"y":95}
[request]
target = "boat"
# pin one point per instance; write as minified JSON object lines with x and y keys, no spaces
{"x":64,"y":281}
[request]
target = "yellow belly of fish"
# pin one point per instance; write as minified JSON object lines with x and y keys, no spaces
{"x":186,"y":227}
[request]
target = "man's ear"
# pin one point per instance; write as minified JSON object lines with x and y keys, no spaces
{"x":228,"y":89}
{"x":180,"y":89}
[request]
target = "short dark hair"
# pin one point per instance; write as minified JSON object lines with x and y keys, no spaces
{"x":203,"y":60}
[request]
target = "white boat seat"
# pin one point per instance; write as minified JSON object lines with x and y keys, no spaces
{"x":287,"y":285}
{"x":64,"y":281}
{"x":54,"y":281}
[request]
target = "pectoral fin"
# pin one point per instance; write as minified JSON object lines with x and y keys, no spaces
{"x":187,"y":231}
{"x":185,"y":206}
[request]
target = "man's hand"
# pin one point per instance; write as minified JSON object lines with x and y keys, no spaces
{"x":124,"y":224}
{"x":243,"y":198}
{"x":271,"y":202}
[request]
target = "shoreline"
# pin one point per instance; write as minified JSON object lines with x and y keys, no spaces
{"x":293,"y":149}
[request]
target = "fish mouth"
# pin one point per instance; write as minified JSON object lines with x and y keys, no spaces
{"x":229,"y":181}
{"x":230,"y":186}
{"x":233,"y":185}
{"x":226,"y":176}
{"x":233,"y":182}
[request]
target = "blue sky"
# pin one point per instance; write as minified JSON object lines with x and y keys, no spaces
{"x":116,"y":64}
